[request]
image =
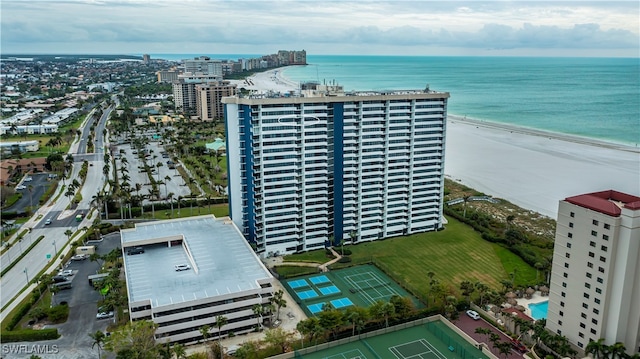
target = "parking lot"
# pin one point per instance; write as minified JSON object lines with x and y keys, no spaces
{"x":172,"y":181}
{"x":82,"y":300}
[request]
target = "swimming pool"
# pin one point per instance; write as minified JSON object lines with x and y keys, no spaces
{"x":539,"y":310}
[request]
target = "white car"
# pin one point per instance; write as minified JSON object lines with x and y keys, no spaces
{"x":47,"y":222}
{"x":473,"y":314}
{"x":19,"y":187}
{"x":66,"y":273}
{"x":79,"y":257}
{"x":181,"y":267}
{"x":28,"y":179}
{"x":104,"y":315}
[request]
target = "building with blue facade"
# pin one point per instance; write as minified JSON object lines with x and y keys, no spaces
{"x":318,"y":167}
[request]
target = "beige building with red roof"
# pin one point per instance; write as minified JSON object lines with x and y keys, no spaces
{"x":595,"y":278}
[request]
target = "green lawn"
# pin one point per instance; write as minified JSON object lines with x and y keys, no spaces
{"x":455,"y":254}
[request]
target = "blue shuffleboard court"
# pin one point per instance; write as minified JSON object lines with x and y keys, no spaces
{"x":298,"y":283}
{"x":315,"y":308}
{"x":307,"y":294}
{"x":342,"y":302}
{"x":319,"y":279}
{"x":332,"y":289}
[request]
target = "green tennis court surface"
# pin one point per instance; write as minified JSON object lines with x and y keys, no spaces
{"x":360,"y":285}
{"x":425,"y":341}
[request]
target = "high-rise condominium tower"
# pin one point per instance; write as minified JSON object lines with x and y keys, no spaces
{"x":326,"y":165}
{"x":595,"y":278}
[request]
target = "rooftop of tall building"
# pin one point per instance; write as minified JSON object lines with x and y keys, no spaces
{"x":608,"y":202}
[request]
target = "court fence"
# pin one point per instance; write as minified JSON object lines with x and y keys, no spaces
{"x":423,"y":321}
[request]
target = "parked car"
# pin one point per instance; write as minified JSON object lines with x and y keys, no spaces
{"x":104,"y":315}
{"x":20,"y":187}
{"x":66,"y":273}
{"x":181,"y":267}
{"x":28,"y":179}
{"x":473,"y":314}
{"x":79,"y":257}
{"x":135,"y":250}
{"x":59,"y":278}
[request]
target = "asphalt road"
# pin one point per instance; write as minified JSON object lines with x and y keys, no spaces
{"x":39,"y":183}
{"x":62,"y":219}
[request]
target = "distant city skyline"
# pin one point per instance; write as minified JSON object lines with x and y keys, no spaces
{"x":470,"y":28}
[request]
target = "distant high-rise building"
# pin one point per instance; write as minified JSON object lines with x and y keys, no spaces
{"x":146,"y":58}
{"x":167,"y":75}
{"x":305,"y":170}
{"x":204,"y":65}
{"x":184,"y":96}
{"x":595,"y":277}
{"x":208,"y":99}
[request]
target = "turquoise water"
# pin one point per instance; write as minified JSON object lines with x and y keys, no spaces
{"x":539,"y":310}
{"x":591,"y":97}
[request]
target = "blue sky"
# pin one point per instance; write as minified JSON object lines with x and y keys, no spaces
{"x":481,"y":28}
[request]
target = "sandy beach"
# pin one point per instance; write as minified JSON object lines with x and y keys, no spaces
{"x":271,"y":80}
{"x":536,"y":169}
{"x":532,"y":169}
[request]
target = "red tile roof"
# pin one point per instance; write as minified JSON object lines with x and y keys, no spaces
{"x":518,"y":313}
{"x":606,"y":202}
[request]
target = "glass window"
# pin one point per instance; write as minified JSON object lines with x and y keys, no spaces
{"x":607,"y":226}
{"x":594,"y":222}
{"x":594,"y":233}
{"x":572,"y":214}
{"x":570,"y":224}
{"x":592,"y":243}
{"x":568,"y":244}
{"x":570,"y":235}
{"x":604,"y":248}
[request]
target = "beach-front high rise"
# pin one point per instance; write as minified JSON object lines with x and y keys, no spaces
{"x":595,"y":278}
{"x":326,"y":165}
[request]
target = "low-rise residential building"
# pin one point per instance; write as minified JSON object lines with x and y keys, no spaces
{"x":183,"y":273}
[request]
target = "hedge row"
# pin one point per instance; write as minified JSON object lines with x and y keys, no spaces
{"x":15,"y":261}
{"x":29,"y":335}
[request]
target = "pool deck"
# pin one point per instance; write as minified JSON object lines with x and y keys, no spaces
{"x":535,"y":298}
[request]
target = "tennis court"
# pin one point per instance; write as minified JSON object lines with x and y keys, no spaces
{"x":417,"y":342}
{"x":298,"y":283}
{"x":361,"y":285}
{"x":332,"y":289}
{"x":307,"y":294}
{"x":341,"y":303}
{"x":319,"y":279}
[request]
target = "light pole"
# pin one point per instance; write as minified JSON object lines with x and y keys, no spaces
{"x":26,"y":273}
{"x":55,"y":249}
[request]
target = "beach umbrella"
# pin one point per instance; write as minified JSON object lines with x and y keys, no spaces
{"x":510,"y":295}
{"x":512,"y":301}
{"x":520,"y":307}
{"x":544,"y":290}
{"x":530,"y":292}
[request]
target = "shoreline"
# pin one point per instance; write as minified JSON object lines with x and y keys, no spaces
{"x":500,"y":126}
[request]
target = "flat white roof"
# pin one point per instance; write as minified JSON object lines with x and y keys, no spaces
{"x":225,"y":262}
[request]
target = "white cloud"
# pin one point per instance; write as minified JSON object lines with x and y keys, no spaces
{"x":398,"y":27}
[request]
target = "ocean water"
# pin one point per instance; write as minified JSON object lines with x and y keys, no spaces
{"x":596,"y":98}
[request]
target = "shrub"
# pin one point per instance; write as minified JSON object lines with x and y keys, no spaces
{"x":29,"y":335}
{"x":344,"y":260}
{"x":346,"y":252}
{"x":58,"y":314}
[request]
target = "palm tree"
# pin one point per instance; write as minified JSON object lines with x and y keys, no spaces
{"x":179,"y":351}
{"x":595,"y":347}
{"x":170,"y":197}
{"x":98,"y":340}
{"x":258,"y":310}
{"x":465,"y":198}
{"x":617,"y":349}
{"x":483,"y":331}
{"x":221,"y":321}
{"x":166,"y":180}
{"x":279,"y":301}
{"x":354,"y":236}
{"x":68,"y":233}
{"x":204,"y":330}
{"x":30,"y":188}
